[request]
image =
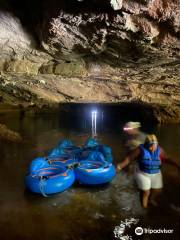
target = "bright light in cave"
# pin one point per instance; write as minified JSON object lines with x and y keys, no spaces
{"x":94,"y":122}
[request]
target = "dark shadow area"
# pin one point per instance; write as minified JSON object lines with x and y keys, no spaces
{"x":113,"y":116}
{"x":36,"y":16}
{"x":28,"y":12}
{"x":32,"y":12}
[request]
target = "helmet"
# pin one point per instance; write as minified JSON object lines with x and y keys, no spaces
{"x":151,"y":139}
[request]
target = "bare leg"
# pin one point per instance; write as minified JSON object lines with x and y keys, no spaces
{"x":145,"y":198}
{"x":155,"y":196}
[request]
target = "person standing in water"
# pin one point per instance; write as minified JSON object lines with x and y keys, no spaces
{"x":148,"y":176}
{"x":133,"y":137}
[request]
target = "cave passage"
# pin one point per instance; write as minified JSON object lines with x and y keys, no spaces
{"x":108,"y":116}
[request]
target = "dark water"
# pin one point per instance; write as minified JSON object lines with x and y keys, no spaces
{"x":81,"y":212}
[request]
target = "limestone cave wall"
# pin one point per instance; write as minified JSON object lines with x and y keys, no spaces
{"x":91,"y":51}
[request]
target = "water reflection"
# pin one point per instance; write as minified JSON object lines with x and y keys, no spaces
{"x":80,"y":212}
{"x":94,"y":123}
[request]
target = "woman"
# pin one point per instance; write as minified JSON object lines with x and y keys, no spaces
{"x":148,"y":170}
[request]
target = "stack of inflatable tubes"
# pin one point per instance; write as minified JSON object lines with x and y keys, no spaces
{"x":92,"y":170}
{"x":80,"y":153}
{"x":58,"y":171}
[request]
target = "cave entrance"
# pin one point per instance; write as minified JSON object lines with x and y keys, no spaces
{"x":106,"y":117}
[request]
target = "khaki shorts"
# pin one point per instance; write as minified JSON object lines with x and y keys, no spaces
{"x":146,"y":181}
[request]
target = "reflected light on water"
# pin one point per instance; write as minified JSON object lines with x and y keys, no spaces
{"x":94,"y":122}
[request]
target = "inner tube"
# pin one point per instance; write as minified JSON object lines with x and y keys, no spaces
{"x":70,"y":151}
{"x":92,"y":155}
{"x":94,"y":173}
{"x":36,"y":164}
{"x":65,"y":143}
{"x":92,"y":144}
{"x":49,"y":180}
{"x":63,"y":159}
{"x":81,"y":153}
{"x":64,"y":147}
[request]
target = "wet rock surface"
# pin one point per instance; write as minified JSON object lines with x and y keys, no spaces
{"x":96,"y":29}
{"x":91,"y":51}
{"x":8,"y":134}
{"x":150,"y":85}
{"x":83,"y":29}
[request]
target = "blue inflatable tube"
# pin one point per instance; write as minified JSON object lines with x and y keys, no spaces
{"x":92,"y":155}
{"x":45,"y":162}
{"x":36,"y":164}
{"x":46,"y":179}
{"x":94,"y":173}
{"x":64,"y":151}
{"x":63,"y":160}
{"x":92,"y":145}
{"x":64,"y":147}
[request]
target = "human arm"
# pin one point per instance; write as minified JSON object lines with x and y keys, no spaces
{"x":128,"y":159}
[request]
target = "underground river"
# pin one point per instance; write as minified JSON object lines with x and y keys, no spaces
{"x":81,"y":212}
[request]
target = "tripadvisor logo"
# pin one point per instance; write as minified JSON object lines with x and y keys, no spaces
{"x":159,"y":230}
{"x":139,"y":231}
{"x":120,"y":231}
